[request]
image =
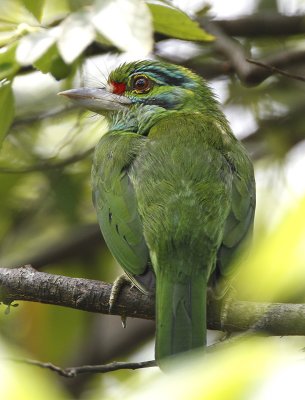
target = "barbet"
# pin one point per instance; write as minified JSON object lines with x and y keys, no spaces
{"x":173,"y":189}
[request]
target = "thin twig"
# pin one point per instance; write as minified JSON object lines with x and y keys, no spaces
{"x":237,"y":56}
{"x":231,"y":49}
{"x":276,"y":70}
{"x":72,"y":372}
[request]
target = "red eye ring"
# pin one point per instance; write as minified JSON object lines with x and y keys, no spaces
{"x":141,"y":84}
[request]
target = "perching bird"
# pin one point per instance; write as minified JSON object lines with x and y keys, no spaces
{"x":173,"y":189}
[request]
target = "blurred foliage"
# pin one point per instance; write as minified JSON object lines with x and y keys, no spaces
{"x":253,"y":369}
{"x":277,"y":262}
{"x":46,"y":215}
{"x":19,"y":381}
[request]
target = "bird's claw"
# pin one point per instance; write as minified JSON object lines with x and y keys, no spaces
{"x":228,"y":299}
{"x":120,"y":281}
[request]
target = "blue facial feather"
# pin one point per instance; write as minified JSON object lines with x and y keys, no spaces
{"x":163,"y":74}
{"x":166,"y":77}
{"x":174,"y":88}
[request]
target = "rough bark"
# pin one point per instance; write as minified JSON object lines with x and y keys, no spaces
{"x":27,"y":284}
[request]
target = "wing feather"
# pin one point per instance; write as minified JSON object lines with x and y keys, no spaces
{"x":116,"y":204}
{"x":239,"y":223}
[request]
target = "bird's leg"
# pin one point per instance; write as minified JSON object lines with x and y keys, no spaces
{"x":227,"y":297}
{"x":117,"y":286}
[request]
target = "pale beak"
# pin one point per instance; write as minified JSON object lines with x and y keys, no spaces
{"x":97,"y":99}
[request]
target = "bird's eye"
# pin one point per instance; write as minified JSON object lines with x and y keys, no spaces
{"x":141,"y":84}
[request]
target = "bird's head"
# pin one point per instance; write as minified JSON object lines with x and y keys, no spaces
{"x":145,"y":91}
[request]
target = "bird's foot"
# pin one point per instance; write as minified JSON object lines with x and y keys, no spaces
{"x":117,"y":286}
{"x":224,"y":297}
{"x":228,"y":299}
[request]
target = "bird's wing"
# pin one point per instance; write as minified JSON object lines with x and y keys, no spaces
{"x":116,"y":206}
{"x":239,"y":223}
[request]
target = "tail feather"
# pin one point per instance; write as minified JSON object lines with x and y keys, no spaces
{"x":181,"y":314}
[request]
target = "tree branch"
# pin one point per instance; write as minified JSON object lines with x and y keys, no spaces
{"x":256,"y":25}
{"x":250,"y":74}
{"x":27,"y":284}
{"x":260,"y":140}
{"x":72,"y":372}
{"x":263,"y":24}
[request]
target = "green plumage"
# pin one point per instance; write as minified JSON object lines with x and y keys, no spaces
{"x":174,"y":192}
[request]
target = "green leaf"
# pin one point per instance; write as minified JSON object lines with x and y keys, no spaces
{"x":8,"y":64}
{"x":14,"y":12}
{"x":7,"y":33}
{"x":44,"y":63}
{"x":77,"y":33}
{"x":15,"y":21}
{"x":77,"y":4}
{"x":7,"y":108}
{"x":173,"y":22}
{"x":36,"y":44}
{"x":55,"y":10}
{"x":126,"y":24}
{"x":60,"y":69}
{"x":35,"y":7}
{"x":52,"y":63}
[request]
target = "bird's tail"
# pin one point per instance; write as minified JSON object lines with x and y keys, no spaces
{"x":180,"y":314}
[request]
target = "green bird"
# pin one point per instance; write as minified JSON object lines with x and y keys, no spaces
{"x":173,"y":189}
